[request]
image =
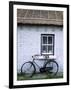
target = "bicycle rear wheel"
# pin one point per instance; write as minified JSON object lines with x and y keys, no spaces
{"x":28,"y":69}
{"x":52,"y":68}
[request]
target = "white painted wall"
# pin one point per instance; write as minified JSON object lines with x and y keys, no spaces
{"x":29,"y":43}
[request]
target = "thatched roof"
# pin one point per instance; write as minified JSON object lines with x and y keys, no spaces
{"x":47,"y":17}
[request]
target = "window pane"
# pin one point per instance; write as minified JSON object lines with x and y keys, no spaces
{"x":49,"y":40}
{"x":44,"y":49}
{"x":50,"y":49}
{"x":44,"y":40}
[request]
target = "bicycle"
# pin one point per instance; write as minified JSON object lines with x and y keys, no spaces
{"x":50,"y":66}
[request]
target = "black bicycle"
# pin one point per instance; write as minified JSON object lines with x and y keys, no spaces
{"x":50,"y":66}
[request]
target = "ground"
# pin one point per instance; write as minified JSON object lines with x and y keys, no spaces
{"x":40,"y":76}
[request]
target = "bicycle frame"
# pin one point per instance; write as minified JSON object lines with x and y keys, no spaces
{"x":45,"y":61}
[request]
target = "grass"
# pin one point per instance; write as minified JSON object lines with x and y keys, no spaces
{"x":38,"y":76}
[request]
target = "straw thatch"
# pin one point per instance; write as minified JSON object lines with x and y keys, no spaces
{"x":47,"y":17}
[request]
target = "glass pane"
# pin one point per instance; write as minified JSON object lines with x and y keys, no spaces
{"x":50,"y":49}
{"x":44,"y":40}
{"x":44,"y":49}
{"x":49,"y":40}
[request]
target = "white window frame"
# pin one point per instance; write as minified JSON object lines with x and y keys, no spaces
{"x":42,"y":44}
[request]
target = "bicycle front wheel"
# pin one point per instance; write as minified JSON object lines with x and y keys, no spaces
{"x":28,"y":69}
{"x":52,"y":68}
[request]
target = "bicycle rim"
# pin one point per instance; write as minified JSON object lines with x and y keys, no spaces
{"x":54,"y":68}
{"x":28,"y":69}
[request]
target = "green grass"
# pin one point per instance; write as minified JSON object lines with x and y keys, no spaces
{"x":38,"y":76}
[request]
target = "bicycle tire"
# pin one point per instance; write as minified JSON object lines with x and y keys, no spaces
{"x":23,"y":67}
{"x":48,"y":71}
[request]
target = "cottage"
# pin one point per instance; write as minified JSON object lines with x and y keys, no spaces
{"x":39,"y":32}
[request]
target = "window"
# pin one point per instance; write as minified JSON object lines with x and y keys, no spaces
{"x":47,"y":43}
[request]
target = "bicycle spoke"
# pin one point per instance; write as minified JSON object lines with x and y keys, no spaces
{"x":52,"y":68}
{"x":28,"y":69}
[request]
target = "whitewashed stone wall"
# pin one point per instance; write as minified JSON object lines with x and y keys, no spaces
{"x":29,"y":43}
